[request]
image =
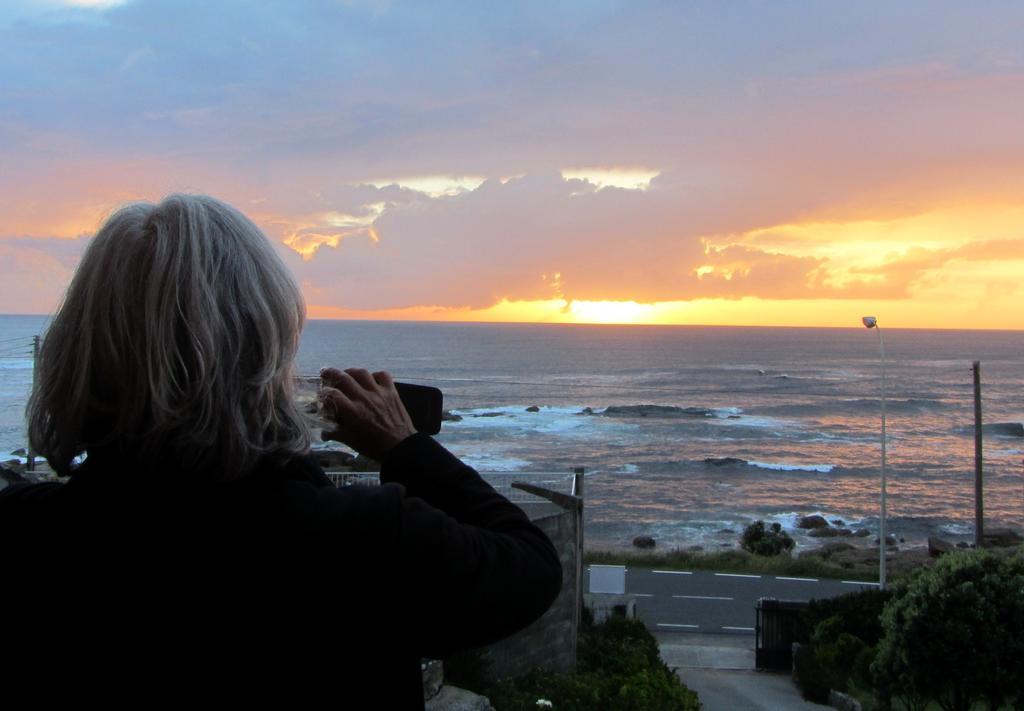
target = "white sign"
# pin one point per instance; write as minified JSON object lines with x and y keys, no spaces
{"x":608,"y":579}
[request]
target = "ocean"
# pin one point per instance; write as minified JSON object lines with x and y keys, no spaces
{"x":694,"y":432}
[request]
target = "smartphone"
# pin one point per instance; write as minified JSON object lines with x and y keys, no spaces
{"x":424,"y":404}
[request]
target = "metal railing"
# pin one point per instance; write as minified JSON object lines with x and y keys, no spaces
{"x":561,"y":482}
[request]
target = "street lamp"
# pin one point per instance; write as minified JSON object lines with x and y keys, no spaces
{"x":872,"y":322}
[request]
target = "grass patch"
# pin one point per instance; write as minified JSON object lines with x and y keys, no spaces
{"x":732,"y":561}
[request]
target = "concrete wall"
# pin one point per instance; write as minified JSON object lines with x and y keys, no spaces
{"x":550,"y":642}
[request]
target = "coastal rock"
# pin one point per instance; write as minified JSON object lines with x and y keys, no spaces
{"x":19,"y":452}
{"x":813,"y":521}
{"x":1008,"y":429}
{"x":727,"y":530}
{"x":695,"y":549}
{"x":656,"y":411}
{"x":826,"y":551}
{"x":724,"y":461}
{"x":1001,"y":538}
{"x":890,"y":540}
{"x":838,"y":522}
{"x":829,"y":532}
{"x":489,"y":414}
{"x":644,"y":542}
{"x":533,"y":408}
{"x":586,"y":411}
{"x":449,"y":416}
{"x":937,"y":547}
{"x":861,"y":533}
{"x":964,"y":544}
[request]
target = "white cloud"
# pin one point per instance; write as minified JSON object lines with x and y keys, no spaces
{"x":433,"y":185}
{"x":625,"y":178}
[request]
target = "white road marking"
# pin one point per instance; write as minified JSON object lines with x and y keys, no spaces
{"x":857,"y":582}
{"x":673,"y":572}
{"x":689,"y":627}
{"x":801,"y":580}
{"x":739,"y":629}
{"x":703,"y":597}
{"x":736,"y":575}
{"x":641,"y":594}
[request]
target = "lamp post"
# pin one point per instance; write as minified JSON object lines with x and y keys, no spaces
{"x":872,"y":322}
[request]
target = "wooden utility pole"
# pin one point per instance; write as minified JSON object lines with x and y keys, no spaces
{"x":979,"y":505}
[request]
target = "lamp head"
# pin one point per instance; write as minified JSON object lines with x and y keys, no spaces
{"x":869,"y":321}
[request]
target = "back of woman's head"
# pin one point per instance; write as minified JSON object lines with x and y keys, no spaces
{"x":174,"y":346}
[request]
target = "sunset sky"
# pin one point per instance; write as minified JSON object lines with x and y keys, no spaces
{"x":759,"y":163}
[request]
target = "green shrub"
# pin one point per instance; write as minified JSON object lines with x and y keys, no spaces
{"x":953,"y":634}
{"x":618,"y":668}
{"x":765,"y":541}
{"x":838,"y":637}
{"x":809,"y":676}
{"x":859,"y":613}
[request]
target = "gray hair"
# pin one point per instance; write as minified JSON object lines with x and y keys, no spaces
{"x":174,"y":346}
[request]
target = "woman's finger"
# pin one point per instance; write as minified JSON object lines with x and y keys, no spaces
{"x":384,"y":379}
{"x":362,"y":377}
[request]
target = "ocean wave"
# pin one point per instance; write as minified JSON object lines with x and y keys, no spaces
{"x":492,"y":462}
{"x":772,"y":466}
{"x":784,"y":467}
{"x":842,"y":406}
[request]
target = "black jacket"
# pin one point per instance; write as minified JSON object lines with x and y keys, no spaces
{"x":123,"y":582}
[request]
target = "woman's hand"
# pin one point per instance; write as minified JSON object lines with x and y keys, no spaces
{"x":370,"y":416}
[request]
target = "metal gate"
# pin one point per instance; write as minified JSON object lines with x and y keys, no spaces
{"x":776,"y":628}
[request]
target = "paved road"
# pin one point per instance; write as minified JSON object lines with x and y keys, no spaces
{"x":716,"y":603}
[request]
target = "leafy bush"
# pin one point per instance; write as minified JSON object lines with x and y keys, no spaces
{"x":809,"y":676}
{"x":838,"y":637}
{"x":618,"y":667}
{"x":859,"y":613}
{"x":953,"y":634}
{"x":761,"y":541}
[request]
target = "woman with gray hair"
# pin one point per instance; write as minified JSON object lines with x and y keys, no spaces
{"x":196,"y":546}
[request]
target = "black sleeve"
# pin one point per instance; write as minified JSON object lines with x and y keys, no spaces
{"x":478,"y":567}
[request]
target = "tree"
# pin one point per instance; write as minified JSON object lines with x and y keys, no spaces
{"x":761,"y":541}
{"x":952,"y":634}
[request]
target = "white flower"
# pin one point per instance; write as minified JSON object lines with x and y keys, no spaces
{"x":544,"y":703}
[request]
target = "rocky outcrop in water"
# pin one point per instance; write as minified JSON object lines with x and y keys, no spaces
{"x":937,"y":547}
{"x":533,"y":408}
{"x":449,"y":416}
{"x":644,"y":542}
{"x":1008,"y":429}
{"x":1001,"y":538}
{"x":656,"y":411}
{"x":724,"y":461}
{"x":813,"y":521}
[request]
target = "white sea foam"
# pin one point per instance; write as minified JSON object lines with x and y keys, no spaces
{"x":494,"y":462}
{"x":630,"y":469}
{"x":774,"y":423}
{"x":783,"y":467}
{"x":565,"y":421}
{"x":957,"y":529}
